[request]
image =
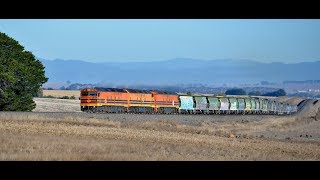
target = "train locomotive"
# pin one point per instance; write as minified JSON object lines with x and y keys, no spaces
{"x":117,"y":100}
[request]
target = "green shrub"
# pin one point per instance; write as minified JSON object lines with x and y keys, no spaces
{"x":49,"y":96}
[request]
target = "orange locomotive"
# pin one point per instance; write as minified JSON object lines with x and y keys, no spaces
{"x":165,"y":102}
{"x":114,"y":100}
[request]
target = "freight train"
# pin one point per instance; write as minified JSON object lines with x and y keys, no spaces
{"x":116,"y":100}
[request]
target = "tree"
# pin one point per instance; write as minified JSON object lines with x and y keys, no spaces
{"x":21,"y":76}
{"x":39,"y":93}
{"x":280,"y":92}
{"x":254,"y":93}
{"x":236,"y":91}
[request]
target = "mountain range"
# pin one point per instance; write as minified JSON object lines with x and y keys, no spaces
{"x":177,"y":71}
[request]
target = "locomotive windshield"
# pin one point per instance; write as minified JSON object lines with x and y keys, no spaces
{"x":93,"y":93}
{"x":84,"y":93}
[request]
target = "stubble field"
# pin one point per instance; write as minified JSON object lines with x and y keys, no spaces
{"x":57,"y":130}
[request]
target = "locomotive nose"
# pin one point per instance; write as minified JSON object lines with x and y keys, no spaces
{"x":88,"y":96}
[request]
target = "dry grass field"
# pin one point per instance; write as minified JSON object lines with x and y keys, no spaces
{"x":60,"y":93}
{"x":62,"y":133}
{"x":56,"y":105}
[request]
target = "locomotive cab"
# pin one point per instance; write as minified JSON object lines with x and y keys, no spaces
{"x":88,"y":98}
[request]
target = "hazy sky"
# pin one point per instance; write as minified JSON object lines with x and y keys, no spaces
{"x":151,"y":40}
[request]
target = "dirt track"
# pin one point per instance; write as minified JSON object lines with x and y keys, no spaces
{"x":81,"y":136}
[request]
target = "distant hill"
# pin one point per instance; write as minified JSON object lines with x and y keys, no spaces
{"x":177,"y":71}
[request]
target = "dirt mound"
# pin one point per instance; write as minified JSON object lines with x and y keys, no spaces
{"x":295,"y":100}
{"x":318,"y":114}
{"x":310,"y":109}
{"x":290,"y":100}
{"x":282,"y":98}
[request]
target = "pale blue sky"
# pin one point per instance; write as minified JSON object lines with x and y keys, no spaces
{"x":122,"y":40}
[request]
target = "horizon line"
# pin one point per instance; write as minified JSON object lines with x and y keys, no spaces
{"x":173,"y":59}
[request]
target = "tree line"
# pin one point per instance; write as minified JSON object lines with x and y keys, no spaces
{"x":238,"y":91}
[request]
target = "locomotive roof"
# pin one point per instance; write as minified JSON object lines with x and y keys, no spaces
{"x":110,"y":89}
{"x":138,"y":91}
{"x":163,"y":92}
{"x":122,"y":90}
